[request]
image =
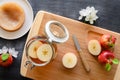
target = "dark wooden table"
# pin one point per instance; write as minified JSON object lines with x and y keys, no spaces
{"x":109,"y":18}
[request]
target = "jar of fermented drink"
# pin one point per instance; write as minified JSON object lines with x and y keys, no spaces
{"x":41,"y":50}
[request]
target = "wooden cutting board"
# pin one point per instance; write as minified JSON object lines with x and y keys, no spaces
{"x":84,"y":33}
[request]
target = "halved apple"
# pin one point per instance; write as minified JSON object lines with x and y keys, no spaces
{"x":94,"y":47}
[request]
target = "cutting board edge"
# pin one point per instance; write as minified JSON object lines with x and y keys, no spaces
{"x":41,"y":15}
{"x":73,"y":20}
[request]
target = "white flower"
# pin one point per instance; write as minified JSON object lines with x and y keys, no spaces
{"x":91,"y":18}
{"x":83,"y":13}
{"x":9,"y":50}
{"x":4,"y":49}
{"x":89,"y":13}
{"x":13,"y":52}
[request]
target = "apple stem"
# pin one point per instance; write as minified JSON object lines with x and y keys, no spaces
{"x":110,"y":42}
{"x":110,"y":38}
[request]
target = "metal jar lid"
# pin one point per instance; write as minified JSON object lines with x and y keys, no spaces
{"x":56,"y":32}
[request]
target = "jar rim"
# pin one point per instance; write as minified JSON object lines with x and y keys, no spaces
{"x":51,"y":36}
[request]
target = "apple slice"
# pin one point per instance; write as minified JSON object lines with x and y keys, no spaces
{"x":44,"y":52}
{"x":94,"y":47}
{"x":32,"y":50}
{"x":69,"y":60}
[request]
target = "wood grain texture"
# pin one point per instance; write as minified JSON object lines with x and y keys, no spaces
{"x":84,"y":33}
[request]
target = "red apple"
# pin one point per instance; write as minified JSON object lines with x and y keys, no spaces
{"x":6,"y":60}
{"x":108,"y":58}
{"x":107,"y":41}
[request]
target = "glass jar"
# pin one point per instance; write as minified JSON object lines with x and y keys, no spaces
{"x":41,"y":50}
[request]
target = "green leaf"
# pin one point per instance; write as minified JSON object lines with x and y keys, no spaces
{"x":111,"y":44}
{"x":108,"y":67}
{"x":5,"y":56}
{"x":115,"y":61}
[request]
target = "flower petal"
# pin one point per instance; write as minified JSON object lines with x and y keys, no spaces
{"x":80,"y":17}
{"x":91,"y":21}
{"x":14,"y":54}
{"x":0,"y":51}
{"x":4,"y":49}
{"x":86,"y":19}
{"x":88,"y":8}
